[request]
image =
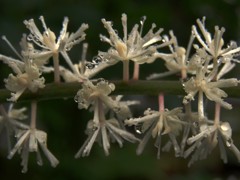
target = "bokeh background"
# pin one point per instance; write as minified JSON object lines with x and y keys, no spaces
{"x":65,"y":124}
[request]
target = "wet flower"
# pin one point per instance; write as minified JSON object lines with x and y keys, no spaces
{"x":27,"y":73}
{"x":214,"y":46}
{"x":157,"y":123}
{"x":47,"y":40}
{"x":104,"y":131}
{"x":90,"y":93}
{"x":84,"y":69}
{"x":135,"y":47}
{"x":27,"y":78}
{"x":32,"y":140}
{"x":50,"y":47}
{"x":206,"y":140}
{"x":9,"y":121}
{"x":175,"y":61}
{"x":203,"y":84}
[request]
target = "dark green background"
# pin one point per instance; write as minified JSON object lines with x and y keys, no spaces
{"x":65,"y":124}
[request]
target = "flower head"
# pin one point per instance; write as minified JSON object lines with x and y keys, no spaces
{"x":135,"y":47}
{"x":29,"y":78}
{"x":31,"y":140}
{"x":103,"y":132}
{"x":27,"y":72}
{"x":84,"y":69}
{"x":90,"y":93}
{"x":50,"y":47}
{"x":202,"y":83}
{"x":214,"y":45}
{"x":157,"y":123}
{"x":209,"y":136}
{"x":175,"y":61}
{"x":47,"y":39}
{"x":9,"y":120}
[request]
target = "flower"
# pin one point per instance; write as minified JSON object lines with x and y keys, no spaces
{"x":135,"y":47}
{"x":9,"y":121}
{"x":157,"y":123}
{"x":27,"y":73}
{"x":47,"y":39}
{"x":27,"y":78}
{"x":177,"y":60}
{"x":50,"y":47}
{"x":100,"y":128}
{"x":84,"y":68}
{"x":214,"y":46}
{"x":29,"y":140}
{"x":104,"y":131}
{"x":90,"y":93}
{"x":205,"y":141}
{"x":203,"y":83}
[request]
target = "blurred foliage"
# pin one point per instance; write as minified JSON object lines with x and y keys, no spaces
{"x":65,"y":124}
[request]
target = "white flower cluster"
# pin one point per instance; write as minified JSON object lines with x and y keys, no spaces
{"x":133,"y":46}
{"x":101,"y":129}
{"x":202,"y":64}
{"x":201,"y":74}
{"x":36,"y":50}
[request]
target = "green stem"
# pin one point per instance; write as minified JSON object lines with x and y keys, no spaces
{"x":140,"y":87}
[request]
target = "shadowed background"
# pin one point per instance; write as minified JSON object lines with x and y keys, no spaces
{"x":65,"y":124}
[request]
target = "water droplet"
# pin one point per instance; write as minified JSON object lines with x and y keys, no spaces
{"x":220,"y":59}
{"x":186,"y":100}
{"x":97,"y":59}
{"x":40,"y":163}
{"x":101,"y":56}
{"x":101,"y":80}
{"x":102,"y":38}
{"x":24,"y":170}
{"x":94,"y":128}
{"x":46,"y":33}
{"x":29,"y":38}
{"x":225,"y":126}
{"x":76,"y":98}
{"x":90,"y":65}
{"x":116,"y":31}
{"x":196,"y":124}
{"x":148,"y":111}
{"x":138,"y":128}
{"x":229,"y":143}
{"x":106,"y":60}
{"x":142,"y":20}
{"x":112,"y":86}
{"x":67,"y":48}
{"x":117,"y":109}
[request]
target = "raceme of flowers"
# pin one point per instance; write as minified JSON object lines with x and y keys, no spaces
{"x":202,"y":65}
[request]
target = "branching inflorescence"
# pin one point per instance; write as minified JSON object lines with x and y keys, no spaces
{"x":202,"y":64}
